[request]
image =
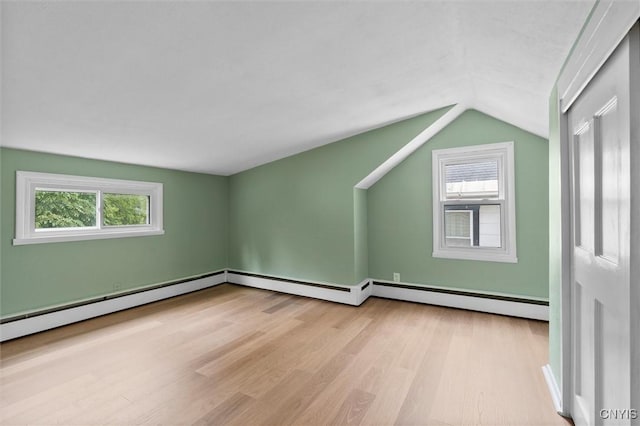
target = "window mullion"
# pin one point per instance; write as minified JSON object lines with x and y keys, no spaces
{"x":504,"y":229}
{"x":443,"y":225}
{"x":99,"y":208}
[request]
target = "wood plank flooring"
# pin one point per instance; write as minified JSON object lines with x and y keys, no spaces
{"x":238,"y":356}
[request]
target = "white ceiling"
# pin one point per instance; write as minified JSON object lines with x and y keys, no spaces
{"x":219,"y":87}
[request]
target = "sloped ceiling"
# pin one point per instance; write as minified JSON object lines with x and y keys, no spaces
{"x":219,"y":87}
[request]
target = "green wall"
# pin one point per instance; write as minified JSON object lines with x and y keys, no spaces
{"x":400,"y":216}
{"x":300,"y":217}
{"x":42,"y":275}
{"x":297,"y":217}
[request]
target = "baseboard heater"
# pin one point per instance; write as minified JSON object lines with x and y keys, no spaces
{"x":531,"y":308}
{"x":32,"y":322}
{"x":351,"y":295}
{"x":44,"y":319}
{"x":291,"y":281}
{"x":462,"y":293}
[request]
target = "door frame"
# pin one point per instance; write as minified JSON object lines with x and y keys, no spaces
{"x":608,"y":24}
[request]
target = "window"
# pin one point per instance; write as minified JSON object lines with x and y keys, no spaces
{"x":474,"y":203}
{"x":54,"y":208}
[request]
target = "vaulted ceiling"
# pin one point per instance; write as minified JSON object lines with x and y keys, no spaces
{"x":219,"y":87}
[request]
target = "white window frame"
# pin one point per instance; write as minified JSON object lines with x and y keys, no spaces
{"x":27,"y":183}
{"x":503,"y":153}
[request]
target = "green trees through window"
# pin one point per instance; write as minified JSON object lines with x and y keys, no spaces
{"x":126,"y":209}
{"x":62,"y":209}
{"x":77,"y":209}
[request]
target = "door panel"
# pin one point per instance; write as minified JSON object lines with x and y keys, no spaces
{"x":608,"y":213}
{"x":584,"y":166}
{"x":599,"y":122}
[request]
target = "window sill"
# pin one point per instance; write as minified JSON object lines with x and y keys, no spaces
{"x":470,"y":255}
{"x":86,"y":236}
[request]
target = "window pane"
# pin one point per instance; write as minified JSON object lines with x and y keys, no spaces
{"x":473,"y":225}
{"x":458,"y":226}
{"x":473,"y":179}
{"x":489,"y":224}
{"x":125,"y":209}
{"x":65,"y":209}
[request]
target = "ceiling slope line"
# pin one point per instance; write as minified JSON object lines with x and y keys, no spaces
{"x":415,"y":143}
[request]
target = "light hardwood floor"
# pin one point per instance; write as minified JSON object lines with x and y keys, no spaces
{"x":241,"y":356}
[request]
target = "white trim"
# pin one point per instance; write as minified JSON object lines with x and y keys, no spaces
{"x":634,"y":299}
{"x":484,"y":255}
{"x":504,"y":153}
{"x":554,"y":390}
{"x":610,"y":22}
{"x":88,"y":236}
{"x":566,"y":182}
{"x":473,"y":303}
{"x":28,"y":182}
{"x":404,"y":152}
{"x":35,"y":324}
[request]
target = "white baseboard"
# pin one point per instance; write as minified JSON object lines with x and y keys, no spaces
{"x":480,"y":302}
{"x":554,"y":390}
{"x":349,"y":295}
{"x":37,"y":323}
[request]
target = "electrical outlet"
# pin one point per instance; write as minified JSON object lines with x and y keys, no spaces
{"x":396,"y":277}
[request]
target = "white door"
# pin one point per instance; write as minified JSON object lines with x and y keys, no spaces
{"x":599,"y":126}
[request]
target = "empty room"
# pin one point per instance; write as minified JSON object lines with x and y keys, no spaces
{"x":320,"y":212}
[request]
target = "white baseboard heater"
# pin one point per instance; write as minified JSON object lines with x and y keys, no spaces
{"x":23,"y":324}
{"x":33,"y":322}
{"x":503,"y":304}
